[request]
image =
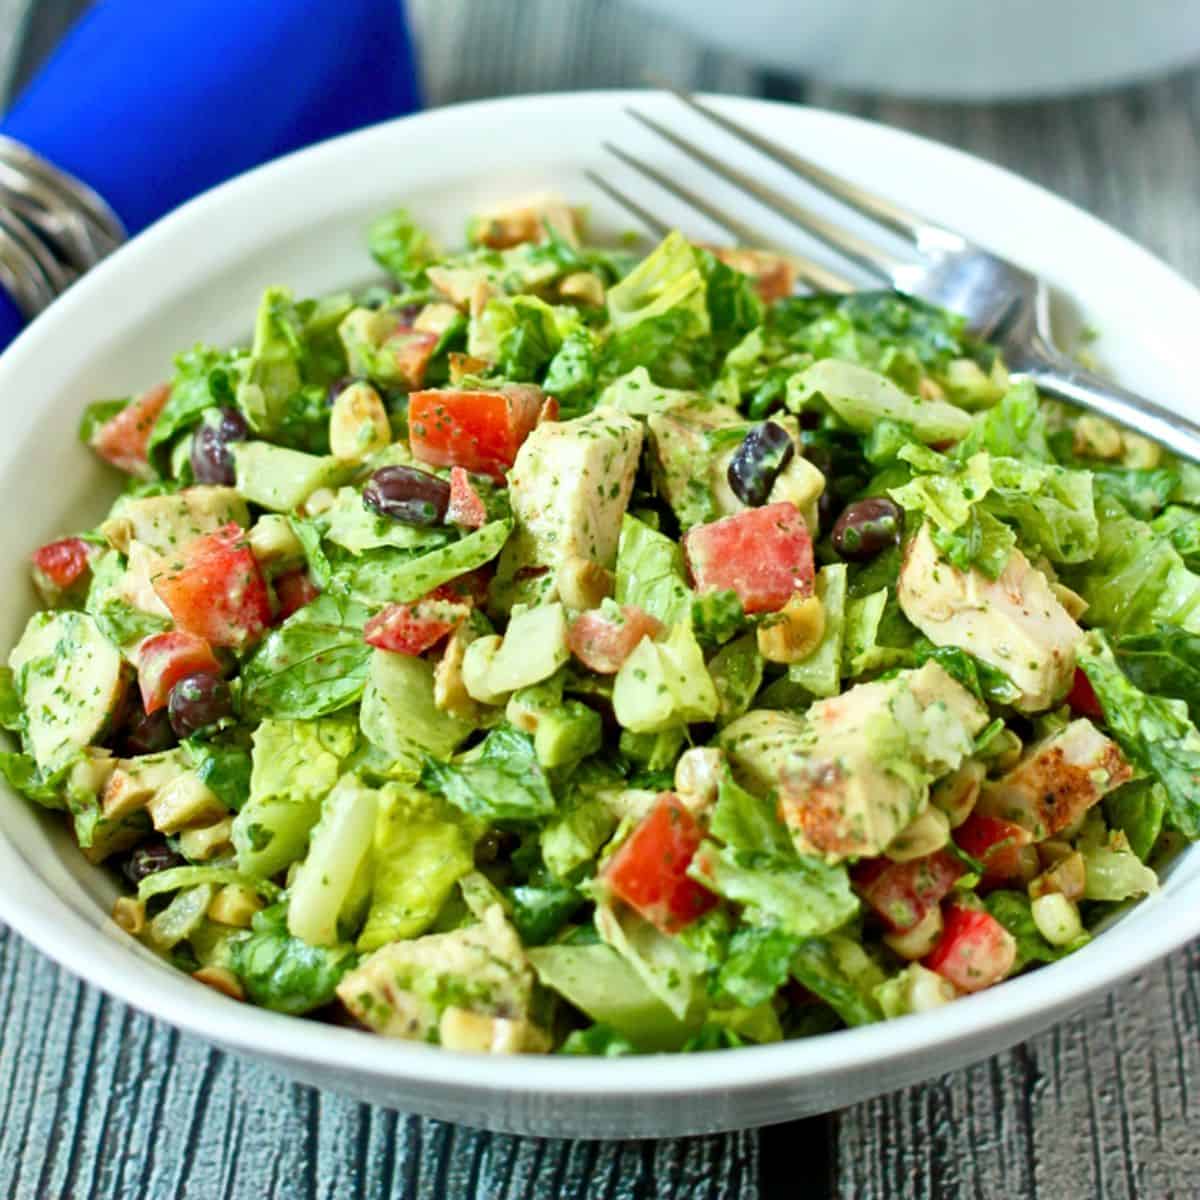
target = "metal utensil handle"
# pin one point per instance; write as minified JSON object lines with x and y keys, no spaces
{"x":1065,"y":379}
{"x":53,"y":227}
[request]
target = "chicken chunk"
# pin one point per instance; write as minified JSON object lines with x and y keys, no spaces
{"x":165,"y":524}
{"x":857,"y":772}
{"x":569,"y":489}
{"x":1015,"y":623}
{"x":405,"y":988}
{"x":1057,"y":781}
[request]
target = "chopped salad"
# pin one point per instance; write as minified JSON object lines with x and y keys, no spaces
{"x":552,"y":649}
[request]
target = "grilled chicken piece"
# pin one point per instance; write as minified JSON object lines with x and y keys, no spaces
{"x":1015,"y":623}
{"x":1057,"y":781}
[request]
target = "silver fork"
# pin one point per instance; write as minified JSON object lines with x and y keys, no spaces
{"x":1003,"y":303}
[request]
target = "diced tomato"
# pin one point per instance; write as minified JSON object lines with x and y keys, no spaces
{"x":1083,"y":699}
{"x":122,"y":439}
{"x":649,"y":872}
{"x":764,"y":554}
{"x":903,"y":893}
{"x":974,"y":951}
{"x":602,"y":643}
{"x":995,"y":843}
{"x":293,"y":591}
{"x":479,"y":430}
{"x":58,"y":566}
{"x":466,"y":507}
{"x":417,"y":627}
{"x":215,"y":589}
{"x":411,"y":350}
{"x":163,"y":659}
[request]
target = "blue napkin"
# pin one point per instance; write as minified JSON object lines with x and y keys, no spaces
{"x":153,"y":101}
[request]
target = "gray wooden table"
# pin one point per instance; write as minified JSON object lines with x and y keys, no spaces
{"x":97,"y":1101}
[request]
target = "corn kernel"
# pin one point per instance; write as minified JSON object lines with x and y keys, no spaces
{"x":220,"y":979}
{"x":358,"y":424}
{"x":130,"y":914}
{"x":918,"y":941}
{"x":794,"y":632}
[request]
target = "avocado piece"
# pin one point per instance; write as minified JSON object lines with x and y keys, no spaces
{"x":655,"y":751}
{"x":165,"y":524}
{"x":662,"y":684}
{"x":280,"y":479}
{"x":576,"y":835}
{"x":534,"y":647}
{"x":293,"y":766}
{"x":404,"y":987}
{"x":274,"y":543}
{"x":71,"y":680}
{"x":398,"y":713}
{"x":567,"y":736}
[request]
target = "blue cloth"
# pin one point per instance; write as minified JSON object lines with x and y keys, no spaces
{"x":153,"y":101}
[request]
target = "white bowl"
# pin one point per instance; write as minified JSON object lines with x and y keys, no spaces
{"x":951,"y":49}
{"x":197,"y":275}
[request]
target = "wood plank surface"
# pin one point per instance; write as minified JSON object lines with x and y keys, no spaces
{"x":97,"y":1101}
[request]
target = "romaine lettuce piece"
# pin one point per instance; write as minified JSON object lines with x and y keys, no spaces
{"x":802,"y":895}
{"x":271,"y":375}
{"x":399,"y":245}
{"x":663,"y":684}
{"x":294,"y":765}
{"x":282,"y":972}
{"x":340,"y":841}
{"x":736,"y":671}
{"x":668,"y":281}
{"x":1136,"y":581}
{"x":1137,"y":810}
{"x":422,"y":849}
{"x":600,"y":983}
{"x":650,"y":572}
{"x":398,"y":712}
{"x":1156,"y":734}
{"x":314,"y":664}
{"x":1014,"y":428}
{"x":396,"y":577}
{"x":520,"y":335}
{"x":841,"y":972}
{"x":820,"y":673}
{"x":668,"y":968}
{"x":758,"y":965}
{"x":860,"y":398}
{"x":1165,"y":663}
{"x":502,"y":781}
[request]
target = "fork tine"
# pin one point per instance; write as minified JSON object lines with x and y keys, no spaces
{"x":658,"y":228}
{"x":870,"y":258}
{"x":813,"y":274}
{"x":911,"y":226}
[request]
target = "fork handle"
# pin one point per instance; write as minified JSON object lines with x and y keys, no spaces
{"x":1064,"y":379}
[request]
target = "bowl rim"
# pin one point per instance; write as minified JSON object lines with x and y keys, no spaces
{"x":1027,"y":1003}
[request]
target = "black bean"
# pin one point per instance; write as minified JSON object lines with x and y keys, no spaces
{"x":198,"y":701}
{"x":827,"y":505}
{"x":211,"y":460}
{"x":146,"y":733}
{"x":148,"y":859}
{"x":408,"y":495}
{"x":752,"y":472}
{"x":337,"y":387}
{"x":868,"y":527}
